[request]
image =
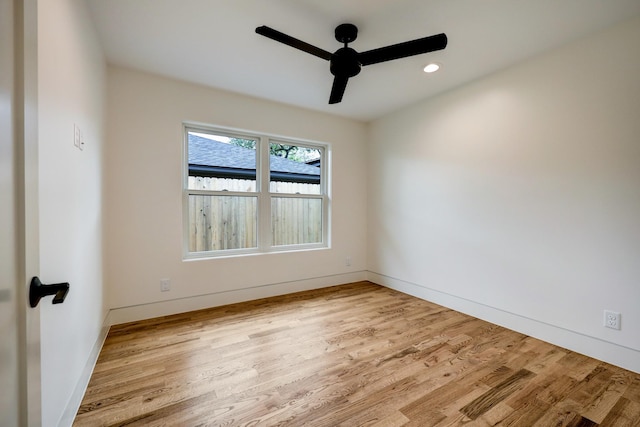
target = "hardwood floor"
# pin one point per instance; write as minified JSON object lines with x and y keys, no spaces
{"x":352,"y":355}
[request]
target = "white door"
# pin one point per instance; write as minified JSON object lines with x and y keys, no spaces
{"x":19,"y":324}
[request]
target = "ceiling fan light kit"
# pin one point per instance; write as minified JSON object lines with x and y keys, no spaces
{"x":345,"y":62}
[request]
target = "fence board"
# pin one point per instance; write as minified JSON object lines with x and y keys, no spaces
{"x":219,"y":222}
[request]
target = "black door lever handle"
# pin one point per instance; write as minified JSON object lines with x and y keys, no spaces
{"x":37,"y":291}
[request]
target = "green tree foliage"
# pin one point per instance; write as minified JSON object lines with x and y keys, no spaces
{"x":246,"y":143}
{"x":286,"y":151}
{"x":292,"y":152}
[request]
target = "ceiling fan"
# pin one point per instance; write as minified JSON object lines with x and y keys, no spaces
{"x":345,"y":62}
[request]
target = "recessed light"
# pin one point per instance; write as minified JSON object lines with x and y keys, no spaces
{"x":432,"y":67}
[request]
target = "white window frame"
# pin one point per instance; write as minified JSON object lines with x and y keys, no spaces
{"x":263,"y":194}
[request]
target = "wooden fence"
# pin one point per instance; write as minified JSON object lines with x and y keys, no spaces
{"x":219,"y":222}
{"x":229,"y":184}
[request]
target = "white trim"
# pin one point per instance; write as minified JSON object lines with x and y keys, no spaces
{"x":216,"y":299}
{"x":264,"y":201}
{"x":69,"y":414}
{"x":264,"y":243}
{"x":624,"y":357}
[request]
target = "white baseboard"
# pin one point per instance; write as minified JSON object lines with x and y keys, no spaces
{"x":69,"y":414}
{"x":624,"y":357}
{"x":199,"y":302}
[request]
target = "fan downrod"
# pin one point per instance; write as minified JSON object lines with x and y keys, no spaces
{"x":346,"y":33}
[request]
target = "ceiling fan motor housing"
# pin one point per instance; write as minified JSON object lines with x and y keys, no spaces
{"x":344,"y":63}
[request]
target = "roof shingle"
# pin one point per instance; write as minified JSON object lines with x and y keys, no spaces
{"x":208,"y":152}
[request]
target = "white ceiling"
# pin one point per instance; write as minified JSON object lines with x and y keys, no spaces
{"x":213,"y":42}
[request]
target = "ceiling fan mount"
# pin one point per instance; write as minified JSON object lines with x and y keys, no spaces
{"x":346,"y":33}
{"x":345,"y":62}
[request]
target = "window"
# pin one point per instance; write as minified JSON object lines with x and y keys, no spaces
{"x":247,"y":193}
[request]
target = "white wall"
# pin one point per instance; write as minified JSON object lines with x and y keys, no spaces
{"x":144,"y":193}
{"x":516,"y":198}
{"x":71,"y":77}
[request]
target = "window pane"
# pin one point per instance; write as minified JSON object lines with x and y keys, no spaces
{"x":294,"y":169}
{"x":296,"y":221}
{"x":222,"y":222}
{"x":221,"y":163}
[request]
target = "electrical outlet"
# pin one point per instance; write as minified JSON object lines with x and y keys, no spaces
{"x":347,"y":261}
{"x":612,"y":319}
{"x":165,"y":285}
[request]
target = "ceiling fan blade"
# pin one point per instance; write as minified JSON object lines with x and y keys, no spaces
{"x":338,"y":88}
{"x":293,"y":42}
{"x":402,"y":50}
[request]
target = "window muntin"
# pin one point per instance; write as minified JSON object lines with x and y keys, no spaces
{"x":247,"y":193}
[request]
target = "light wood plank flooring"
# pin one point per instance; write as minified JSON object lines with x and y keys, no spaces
{"x":353,"y":355}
